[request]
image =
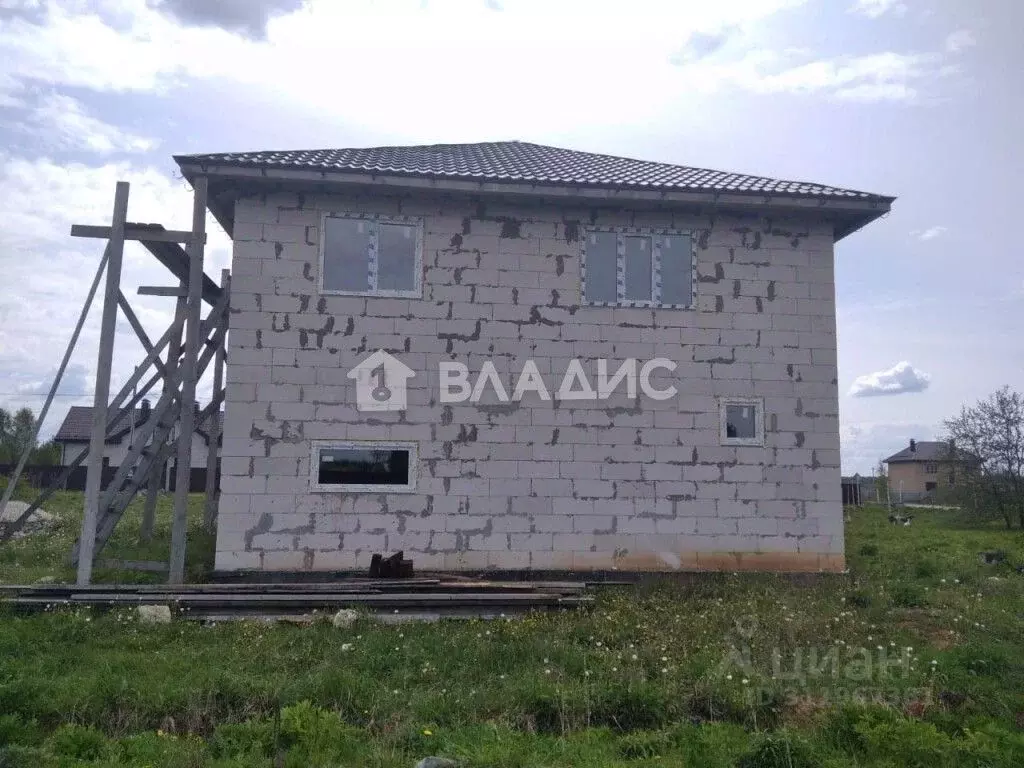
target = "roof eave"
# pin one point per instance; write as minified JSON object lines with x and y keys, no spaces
{"x":851,"y":214}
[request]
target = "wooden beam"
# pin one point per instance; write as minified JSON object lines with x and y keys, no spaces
{"x":161,"y":290}
{"x":214,"y":431}
{"x":133,"y":321}
{"x":108,"y":328}
{"x":186,"y":419}
{"x":134,"y":232}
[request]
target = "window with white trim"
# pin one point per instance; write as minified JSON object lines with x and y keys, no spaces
{"x":371,"y":255}
{"x":638,"y":268}
{"x":363,"y":467}
{"x":741,"y":420}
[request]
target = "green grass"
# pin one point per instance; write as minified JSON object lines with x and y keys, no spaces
{"x":745,"y":670}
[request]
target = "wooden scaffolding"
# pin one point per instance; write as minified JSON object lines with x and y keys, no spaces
{"x":176,"y":361}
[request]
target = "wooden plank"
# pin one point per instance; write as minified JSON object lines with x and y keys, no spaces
{"x":108,"y":327}
{"x":134,"y":232}
{"x":140,"y":332}
{"x":189,"y":374}
{"x":214,"y":431}
{"x":8,"y":530}
{"x":161,"y":290}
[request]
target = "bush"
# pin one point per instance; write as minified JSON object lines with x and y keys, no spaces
{"x":14,"y":729}
{"x":78,"y":741}
{"x":779,"y":750}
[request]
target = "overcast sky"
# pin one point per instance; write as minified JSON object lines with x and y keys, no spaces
{"x":922,"y":100}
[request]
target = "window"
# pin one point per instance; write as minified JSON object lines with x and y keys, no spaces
{"x":638,"y":268}
{"x":742,"y":421}
{"x":931,"y":468}
{"x":929,"y":487}
{"x":364,"y":467}
{"x":370,"y":255}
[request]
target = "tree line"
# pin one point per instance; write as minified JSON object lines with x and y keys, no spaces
{"x":17,"y":433}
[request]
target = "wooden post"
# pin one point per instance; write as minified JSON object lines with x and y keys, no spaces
{"x":108,"y":327}
{"x":158,"y":478}
{"x":183,"y":468}
{"x":214,"y":431}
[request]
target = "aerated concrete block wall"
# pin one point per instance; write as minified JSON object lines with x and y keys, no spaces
{"x":619,"y":484}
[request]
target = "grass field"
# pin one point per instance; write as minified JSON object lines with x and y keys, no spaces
{"x":916,"y":658}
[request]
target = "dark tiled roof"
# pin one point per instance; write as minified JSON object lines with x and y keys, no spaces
{"x":77,"y":426}
{"x":520,"y":161}
{"x":923,"y":451}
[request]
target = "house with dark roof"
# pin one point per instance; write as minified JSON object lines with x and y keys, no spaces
{"x":506,"y":356}
{"x":74,"y":433}
{"x":924,"y":468}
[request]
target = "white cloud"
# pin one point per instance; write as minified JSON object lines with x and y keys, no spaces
{"x":928,"y":234}
{"x":899,"y":379}
{"x":148,"y":51}
{"x":875,"y":9}
{"x":887,"y":76}
{"x":62,"y":123}
{"x":960,"y":40}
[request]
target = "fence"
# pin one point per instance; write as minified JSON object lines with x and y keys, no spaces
{"x":44,"y":475}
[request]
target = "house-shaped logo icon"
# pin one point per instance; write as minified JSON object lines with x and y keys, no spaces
{"x":381,"y":383}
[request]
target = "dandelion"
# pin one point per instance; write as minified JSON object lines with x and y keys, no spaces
{"x":664,"y":670}
{"x":634,"y":657}
{"x":427,"y":732}
{"x":664,"y":658}
{"x":501,"y":677}
{"x":728,"y":677}
{"x":547,"y":671}
{"x":745,"y":681}
{"x":615,"y":669}
{"x":598,"y":643}
{"x":346,"y":647}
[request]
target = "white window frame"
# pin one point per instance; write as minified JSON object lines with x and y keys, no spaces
{"x":620,"y":266}
{"x":758,"y":404}
{"x":319,"y":445}
{"x":931,"y":468}
{"x":371,"y":254}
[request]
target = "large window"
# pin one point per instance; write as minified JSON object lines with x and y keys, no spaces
{"x":370,"y":255}
{"x":364,"y":467}
{"x":741,"y":421}
{"x":638,"y":268}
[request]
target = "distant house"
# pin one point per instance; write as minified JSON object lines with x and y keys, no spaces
{"x":73,"y":438}
{"x":923,"y":469}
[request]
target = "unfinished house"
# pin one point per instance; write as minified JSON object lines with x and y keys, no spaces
{"x":443,"y":350}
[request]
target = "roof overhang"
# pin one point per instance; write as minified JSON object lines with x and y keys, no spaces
{"x":227,"y":183}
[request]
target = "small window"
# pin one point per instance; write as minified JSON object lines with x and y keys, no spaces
{"x":928,"y":487}
{"x":931,"y":468}
{"x":742,"y":421}
{"x":368,"y":467}
{"x":370,"y":256}
{"x":636,"y":268}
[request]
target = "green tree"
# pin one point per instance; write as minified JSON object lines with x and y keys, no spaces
{"x":988,"y":442}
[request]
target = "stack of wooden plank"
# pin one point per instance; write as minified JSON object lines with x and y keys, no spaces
{"x":429,"y":597}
